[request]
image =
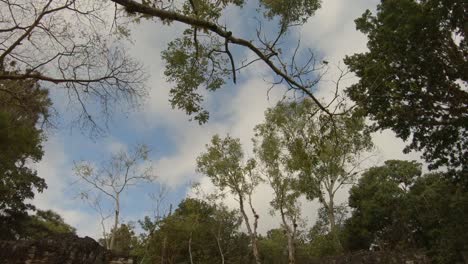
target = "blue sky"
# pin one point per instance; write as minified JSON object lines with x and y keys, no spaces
{"x":175,"y":142}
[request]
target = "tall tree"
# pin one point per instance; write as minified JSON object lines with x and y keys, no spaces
{"x":413,"y":79}
{"x":115,"y":176}
{"x":268,"y":148}
{"x":224,"y":164}
{"x":24,"y":106}
{"x":395,"y":207}
{"x":325,"y":152}
{"x":439,"y":214}
{"x":380,"y":206}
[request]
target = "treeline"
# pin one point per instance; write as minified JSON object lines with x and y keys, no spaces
{"x":392,"y":208}
{"x":299,"y":152}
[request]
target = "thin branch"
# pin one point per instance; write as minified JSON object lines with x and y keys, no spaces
{"x":132,"y":6}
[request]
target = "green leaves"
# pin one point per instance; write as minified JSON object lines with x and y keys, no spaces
{"x":23,"y":106}
{"x":206,"y":227}
{"x":413,"y":78}
{"x":224,"y":163}
{"x":291,"y":11}
{"x":395,"y":207}
{"x":191,"y":65}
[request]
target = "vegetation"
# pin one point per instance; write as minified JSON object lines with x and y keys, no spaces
{"x":412,"y":80}
{"x":123,"y":170}
{"x":24,"y":106}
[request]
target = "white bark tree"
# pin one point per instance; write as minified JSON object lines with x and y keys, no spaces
{"x":224,"y":164}
{"x":324,"y":153}
{"x":114,"y":177}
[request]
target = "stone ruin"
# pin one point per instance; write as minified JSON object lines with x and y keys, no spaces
{"x":63,"y":249}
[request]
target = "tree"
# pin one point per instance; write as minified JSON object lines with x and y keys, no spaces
{"x":24,"y":106}
{"x":44,"y":224}
{"x":274,"y":247}
{"x":413,"y":78}
{"x":439,"y":213}
{"x":115,"y":176}
{"x":224,"y":164}
{"x":64,"y":44}
{"x":395,"y":207}
{"x":324,"y":152}
{"x":268,"y":148}
{"x":126,"y":240}
{"x":380,"y":206}
{"x":195,"y":233}
{"x":321,"y":241}
{"x":202,"y":56}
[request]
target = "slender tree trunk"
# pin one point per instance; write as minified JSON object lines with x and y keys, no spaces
{"x":220,"y":249}
{"x":163,"y":253}
{"x":330,"y":206}
{"x":104,"y":235}
{"x":291,"y":237}
{"x":190,"y":248}
{"x":253,"y":237}
{"x":116,"y":221}
{"x":291,"y":250}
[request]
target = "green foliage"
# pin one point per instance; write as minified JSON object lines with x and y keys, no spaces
{"x":202,"y":58}
{"x":380,"y":206}
{"x":274,"y":247}
{"x":291,"y":11}
{"x":413,"y":79}
{"x":224,"y":164}
{"x":42,"y":224}
{"x":203,"y":226}
{"x":439,"y":209}
{"x":395,"y":207}
{"x":190,"y":65}
{"x":322,"y":242}
{"x":312,"y":144}
{"x":23,"y":106}
{"x":268,"y":148}
{"x":126,"y":240}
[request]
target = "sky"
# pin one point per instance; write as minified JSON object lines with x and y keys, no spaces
{"x":176,"y":142}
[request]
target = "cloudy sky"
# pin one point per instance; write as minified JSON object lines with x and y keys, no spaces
{"x":176,"y":142}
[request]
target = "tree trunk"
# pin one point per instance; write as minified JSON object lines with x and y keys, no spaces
{"x":163,"y":253}
{"x":190,"y":248}
{"x":116,"y":222}
{"x":253,"y":237}
{"x":220,"y":249}
{"x":291,"y":238}
{"x":331,"y":218}
{"x":291,"y":250}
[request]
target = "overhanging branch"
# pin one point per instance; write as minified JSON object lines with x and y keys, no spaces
{"x":132,"y":6}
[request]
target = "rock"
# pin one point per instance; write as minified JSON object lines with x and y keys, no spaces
{"x":62,"y":249}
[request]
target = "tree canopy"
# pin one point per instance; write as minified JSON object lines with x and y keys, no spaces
{"x":207,"y":53}
{"x":396,"y":207}
{"x":413,"y":79}
{"x":24,"y":105}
